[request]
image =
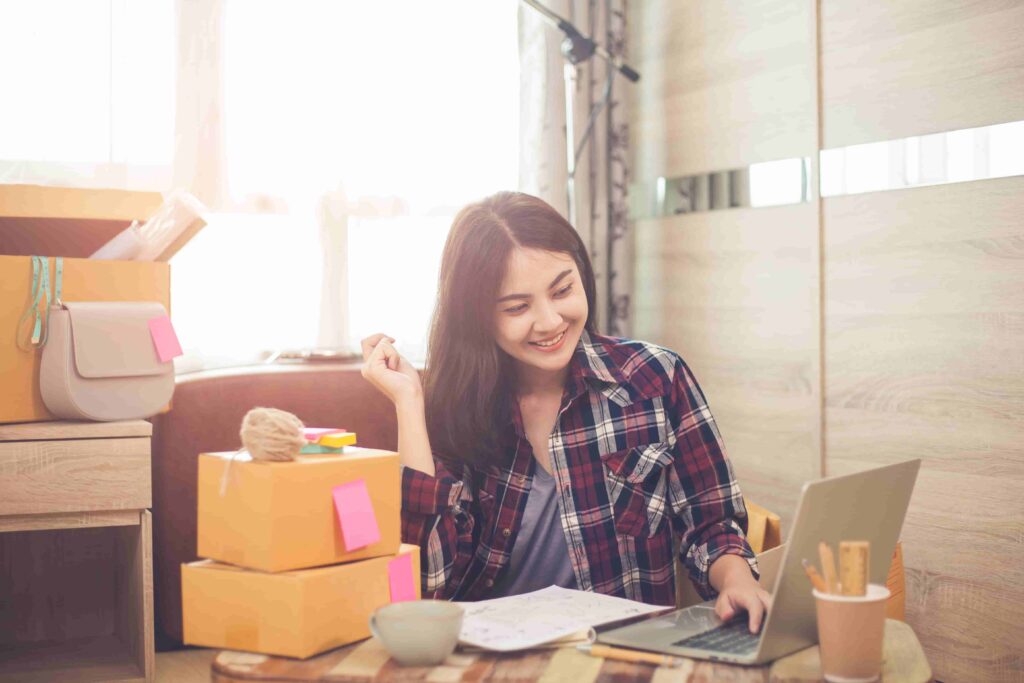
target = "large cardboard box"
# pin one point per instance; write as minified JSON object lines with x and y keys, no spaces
{"x":73,"y":223}
{"x":277,"y":516}
{"x":296,"y":613}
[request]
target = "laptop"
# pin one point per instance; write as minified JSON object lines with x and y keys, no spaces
{"x":865,"y":506}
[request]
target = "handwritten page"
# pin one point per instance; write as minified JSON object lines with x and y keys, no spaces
{"x":355,"y":513}
{"x":532,"y":619}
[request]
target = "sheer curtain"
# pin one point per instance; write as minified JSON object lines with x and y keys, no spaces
{"x":602,"y":173}
{"x":352,"y":133}
{"x":88,"y":93}
{"x":332,"y":141}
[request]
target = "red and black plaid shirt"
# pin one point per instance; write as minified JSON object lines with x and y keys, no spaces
{"x":639,"y":466}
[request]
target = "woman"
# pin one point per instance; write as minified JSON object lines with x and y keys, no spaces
{"x":541,"y":453}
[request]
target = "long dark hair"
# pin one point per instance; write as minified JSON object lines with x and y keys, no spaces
{"x":468,"y":384}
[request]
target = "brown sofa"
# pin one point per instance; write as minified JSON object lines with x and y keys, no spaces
{"x":206,"y":415}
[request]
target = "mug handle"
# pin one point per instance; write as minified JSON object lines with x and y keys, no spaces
{"x":373,"y":626}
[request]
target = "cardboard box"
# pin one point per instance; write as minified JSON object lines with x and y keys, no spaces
{"x":277,"y":516}
{"x":296,"y":614}
{"x":53,"y":221}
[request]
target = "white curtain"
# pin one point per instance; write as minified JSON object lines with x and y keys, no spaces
{"x":199,"y":156}
{"x":601,"y":175}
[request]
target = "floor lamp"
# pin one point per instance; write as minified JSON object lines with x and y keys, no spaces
{"x":578,"y":48}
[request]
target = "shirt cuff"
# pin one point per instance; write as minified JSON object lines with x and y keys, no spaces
{"x":427,"y":495}
{"x":728,"y":540}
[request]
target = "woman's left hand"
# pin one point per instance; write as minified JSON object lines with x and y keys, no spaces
{"x":739,"y":591}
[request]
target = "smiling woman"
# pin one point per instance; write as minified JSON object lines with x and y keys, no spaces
{"x":540,"y":452}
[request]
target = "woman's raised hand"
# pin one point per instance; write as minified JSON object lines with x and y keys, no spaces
{"x":387,"y":370}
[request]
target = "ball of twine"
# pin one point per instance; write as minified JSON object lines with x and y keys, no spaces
{"x":272,"y":434}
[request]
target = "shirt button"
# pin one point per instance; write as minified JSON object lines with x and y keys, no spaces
{"x":506,"y":532}
{"x":489,"y":583}
{"x":521,"y":479}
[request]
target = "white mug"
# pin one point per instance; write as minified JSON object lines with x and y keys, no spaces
{"x":418,"y":632}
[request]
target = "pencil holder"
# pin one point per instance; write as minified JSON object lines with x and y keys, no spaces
{"x":850,"y":632}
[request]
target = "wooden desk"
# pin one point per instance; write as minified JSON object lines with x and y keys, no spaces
{"x":368,"y":661}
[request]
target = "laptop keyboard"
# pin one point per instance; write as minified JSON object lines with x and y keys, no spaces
{"x":733,"y":637}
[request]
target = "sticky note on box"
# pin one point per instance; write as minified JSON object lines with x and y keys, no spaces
{"x":400,"y":579}
{"x":164,"y":339}
{"x":337,"y":440}
{"x":314,"y":433}
{"x":355,"y":513}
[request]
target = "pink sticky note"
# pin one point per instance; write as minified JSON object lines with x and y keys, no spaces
{"x":355,"y":512}
{"x":314,"y":433}
{"x":164,"y":339}
{"x":400,"y":578}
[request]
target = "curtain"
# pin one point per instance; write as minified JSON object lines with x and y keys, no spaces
{"x":199,"y":154}
{"x":601,"y":175}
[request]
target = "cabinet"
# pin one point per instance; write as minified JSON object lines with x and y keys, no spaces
{"x":76,"y":581}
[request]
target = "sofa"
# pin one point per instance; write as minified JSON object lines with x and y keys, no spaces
{"x":206,"y":414}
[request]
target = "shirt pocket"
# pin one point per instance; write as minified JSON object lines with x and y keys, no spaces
{"x":638,"y":487}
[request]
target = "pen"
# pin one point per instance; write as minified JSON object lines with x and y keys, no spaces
{"x":814,"y":576}
{"x":629,"y":655}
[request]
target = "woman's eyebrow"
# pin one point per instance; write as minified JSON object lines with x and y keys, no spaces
{"x":527,"y":296}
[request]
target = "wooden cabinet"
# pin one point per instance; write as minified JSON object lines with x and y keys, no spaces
{"x":76,"y":580}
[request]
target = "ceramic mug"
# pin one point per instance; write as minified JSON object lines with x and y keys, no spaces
{"x":418,"y":632}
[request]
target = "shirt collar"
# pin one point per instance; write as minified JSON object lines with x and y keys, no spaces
{"x":590,"y":364}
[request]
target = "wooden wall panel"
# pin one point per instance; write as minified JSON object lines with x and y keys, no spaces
{"x":735,"y":293}
{"x":896,"y":69}
{"x":924,"y":357}
{"x":704,"y":105}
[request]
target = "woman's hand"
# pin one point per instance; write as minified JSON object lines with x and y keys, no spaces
{"x":387,"y":370}
{"x":738,"y":591}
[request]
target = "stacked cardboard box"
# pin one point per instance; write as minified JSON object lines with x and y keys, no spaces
{"x":300,"y":553}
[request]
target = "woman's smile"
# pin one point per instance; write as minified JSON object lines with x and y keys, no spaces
{"x":550,"y":344}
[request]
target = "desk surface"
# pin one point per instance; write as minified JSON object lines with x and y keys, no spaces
{"x":368,"y":661}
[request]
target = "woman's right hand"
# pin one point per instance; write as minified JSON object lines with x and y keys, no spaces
{"x":387,"y":370}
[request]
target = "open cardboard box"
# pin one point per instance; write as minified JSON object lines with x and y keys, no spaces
{"x":72,"y":223}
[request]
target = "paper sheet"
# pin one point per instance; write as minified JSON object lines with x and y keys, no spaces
{"x":532,"y":619}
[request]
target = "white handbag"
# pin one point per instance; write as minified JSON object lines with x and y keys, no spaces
{"x":99,"y":362}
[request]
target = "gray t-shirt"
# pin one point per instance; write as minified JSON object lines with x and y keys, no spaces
{"x":540,"y":556}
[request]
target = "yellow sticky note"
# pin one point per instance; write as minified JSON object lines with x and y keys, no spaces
{"x":337,"y":440}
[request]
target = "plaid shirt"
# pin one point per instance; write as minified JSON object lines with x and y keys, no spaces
{"x":639,"y":466}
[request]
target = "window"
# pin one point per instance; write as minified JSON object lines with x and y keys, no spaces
{"x":409,"y":110}
{"x":89,"y":93}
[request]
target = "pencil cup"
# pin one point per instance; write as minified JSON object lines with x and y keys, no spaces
{"x":850,"y":630}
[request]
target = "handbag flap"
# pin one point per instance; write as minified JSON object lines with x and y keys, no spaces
{"x":112,"y":338}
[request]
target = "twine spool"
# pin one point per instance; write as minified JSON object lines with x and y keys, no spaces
{"x":272,"y":434}
{"x":268,"y":434}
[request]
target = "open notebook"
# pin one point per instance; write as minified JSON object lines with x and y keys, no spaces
{"x":545,"y":617}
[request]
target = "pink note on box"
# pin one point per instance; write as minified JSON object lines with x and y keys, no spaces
{"x":314,"y":433}
{"x":400,"y":578}
{"x":355,"y":513}
{"x":164,"y":339}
